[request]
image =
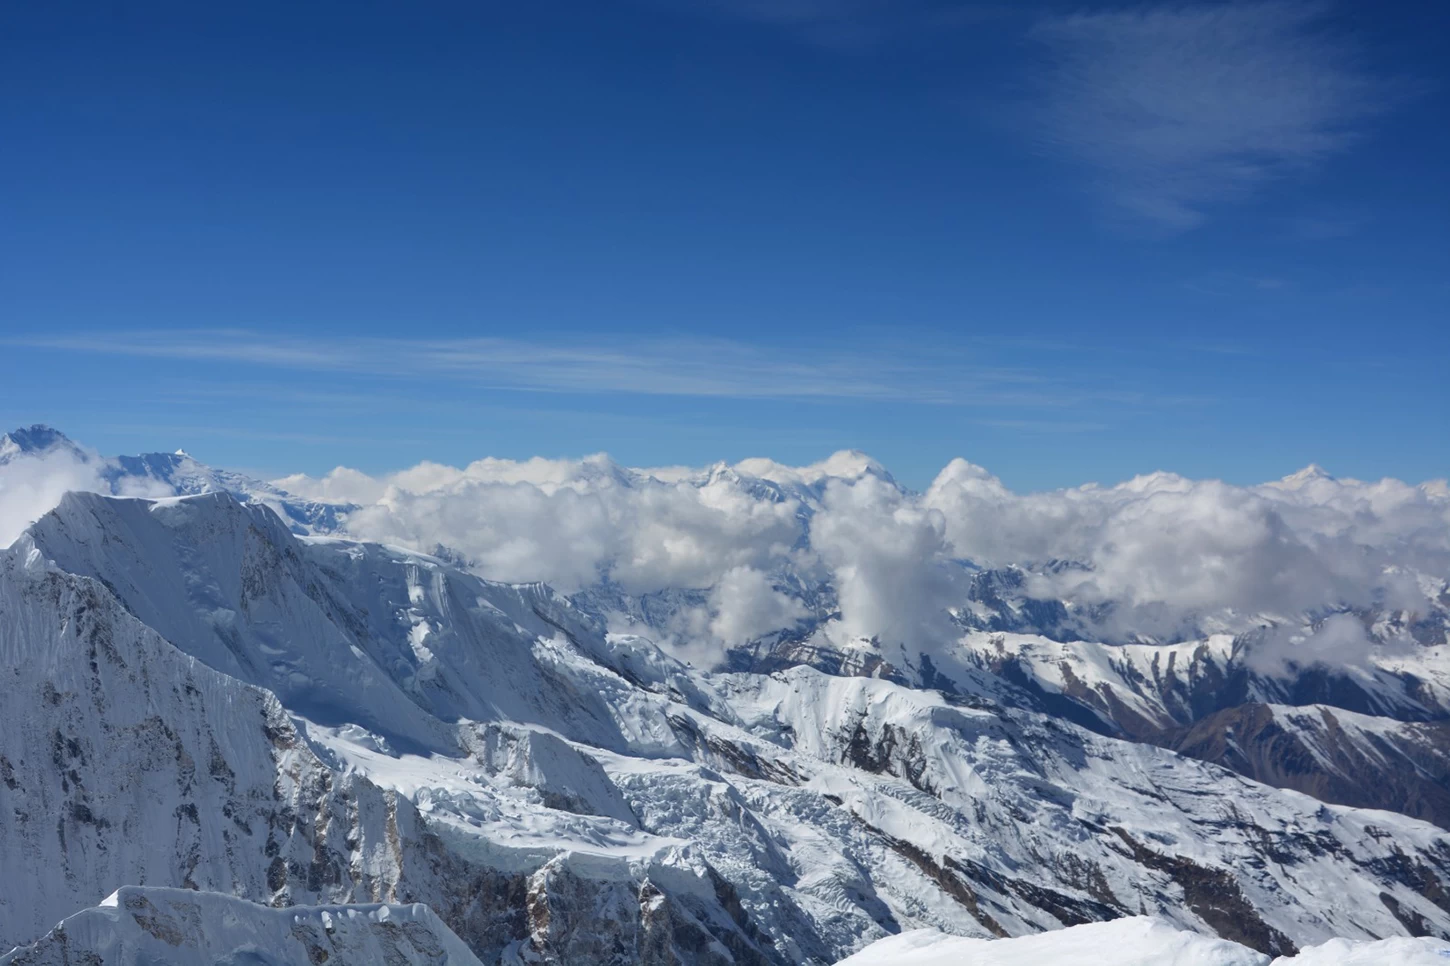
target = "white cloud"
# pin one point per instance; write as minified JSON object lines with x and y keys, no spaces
{"x":570,"y":523}
{"x":843,"y":465}
{"x":1166,"y":548}
{"x":715,"y":368}
{"x":31,"y":486}
{"x":1179,"y":107}
{"x":888,"y":555}
{"x":1164,"y":555}
{"x":745,"y":606}
{"x":1164,"y":551}
{"x":1340,"y":640}
{"x":903,"y":371}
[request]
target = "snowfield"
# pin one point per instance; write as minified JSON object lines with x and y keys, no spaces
{"x":1138,"y":941}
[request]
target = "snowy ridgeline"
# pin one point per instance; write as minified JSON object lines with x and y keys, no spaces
{"x":151,"y":927}
{"x":1138,"y":941}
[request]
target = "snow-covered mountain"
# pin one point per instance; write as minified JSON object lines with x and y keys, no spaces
{"x":144,"y":926}
{"x":205,"y":694}
{"x":164,"y":474}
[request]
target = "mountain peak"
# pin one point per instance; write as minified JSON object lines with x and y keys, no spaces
{"x":1309,"y":474}
{"x":33,"y":441}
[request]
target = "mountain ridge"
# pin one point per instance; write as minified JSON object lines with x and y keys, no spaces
{"x":562,"y":790}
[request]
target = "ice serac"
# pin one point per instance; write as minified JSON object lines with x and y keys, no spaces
{"x":141,"y":926}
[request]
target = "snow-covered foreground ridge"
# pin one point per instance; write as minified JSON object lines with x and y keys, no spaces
{"x":1139,"y":941}
{"x":197,"y":695}
{"x":179,"y":927}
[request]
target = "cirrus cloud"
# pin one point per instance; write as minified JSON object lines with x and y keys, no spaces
{"x":1177,"y":108}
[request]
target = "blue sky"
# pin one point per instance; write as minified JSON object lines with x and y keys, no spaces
{"x":1067,"y":242}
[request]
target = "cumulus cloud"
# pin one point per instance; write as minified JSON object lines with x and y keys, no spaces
{"x":1337,"y":641}
{"x":31,"y":484}
{"x":1165,"y":549}
{"x":574,"y":523}
{"x":744,"y":605}
{"x":748,"y":550}
{"x":1178,"y":107}
{"x":888,"y":555}
{"x":1156,"y":557}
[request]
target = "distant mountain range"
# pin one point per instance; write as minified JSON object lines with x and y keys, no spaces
{"x":225,"y":685}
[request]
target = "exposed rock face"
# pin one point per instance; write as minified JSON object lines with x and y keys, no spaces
{"x":1373,"y":738}
{"x":1331,"y":754}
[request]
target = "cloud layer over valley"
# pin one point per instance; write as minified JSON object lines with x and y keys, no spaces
{"x":758,"y":548}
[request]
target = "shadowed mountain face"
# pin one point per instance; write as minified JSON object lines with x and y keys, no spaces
{"x":1376,"y":737}
{"x":1332,"y":754}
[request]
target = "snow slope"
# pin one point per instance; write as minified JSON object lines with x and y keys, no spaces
{"x":1140,"y":941}
{"x":146,"y":926}
{"x":124,"y":760}
{"x":1137,"y":941}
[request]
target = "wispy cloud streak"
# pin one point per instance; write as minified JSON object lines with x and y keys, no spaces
{"x":1178,"y":108}
{"x":683,"y":367}
{"x":850,"y":24}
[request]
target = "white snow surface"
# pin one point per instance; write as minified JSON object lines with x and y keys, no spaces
{"x":178,"y":927}
{"x":1136,"y":941}
{"x":1385,"y":952}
